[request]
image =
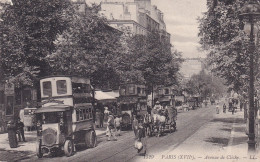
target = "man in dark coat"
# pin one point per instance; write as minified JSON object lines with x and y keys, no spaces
{"x":20,"y":130}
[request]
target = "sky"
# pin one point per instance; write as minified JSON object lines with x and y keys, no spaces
{"x":180,"y":17}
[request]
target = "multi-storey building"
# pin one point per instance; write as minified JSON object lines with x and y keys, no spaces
{"x":140,"y":16}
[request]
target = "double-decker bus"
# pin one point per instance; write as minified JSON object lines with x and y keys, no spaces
{"x":66,"y":118}
{"x":132,"y":101}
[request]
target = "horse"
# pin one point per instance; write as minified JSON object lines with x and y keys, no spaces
{"x":159,"y":123}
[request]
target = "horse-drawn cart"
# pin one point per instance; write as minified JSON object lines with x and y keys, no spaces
{"x":163,"y":121}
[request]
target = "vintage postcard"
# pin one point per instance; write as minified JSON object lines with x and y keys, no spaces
{"x":129,"y":80}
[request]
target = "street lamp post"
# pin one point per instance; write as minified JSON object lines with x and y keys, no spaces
{"x":251,"y":14}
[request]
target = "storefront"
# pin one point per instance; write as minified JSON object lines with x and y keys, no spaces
{"x":12,"y":100}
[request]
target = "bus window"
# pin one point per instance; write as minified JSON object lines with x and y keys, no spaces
{"x":77,"y":115}
{"x":131,"y":89}
{"x":87,"y":113}
{"x":90,"y":113}
{"x":84,"y":113}
{"x":47,"y":88}
{"x":81,"y":114}
{"x":50,"y":117}
{"x":122,"y":90}
{"x":61,"y":87}
{"x":81,"y":88}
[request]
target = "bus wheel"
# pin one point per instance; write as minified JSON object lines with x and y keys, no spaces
{"x":38,"y":149}
{"x":68,"y":148}
{"x":91,"y":139}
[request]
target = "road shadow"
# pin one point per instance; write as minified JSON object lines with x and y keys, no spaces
{"x":217,"y":141}
{"x":226,"y":129}
{"x":228,"y":120}
{"x":239,"y":129}
{"x":239,"y":140}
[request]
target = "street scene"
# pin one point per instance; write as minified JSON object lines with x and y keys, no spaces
{"x":129,"y":80}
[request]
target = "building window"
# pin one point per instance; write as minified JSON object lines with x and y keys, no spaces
{"x":143,"y":91}
{"x":166,"y":91}
{"x":139,"y":90}
{"x":18,"y":97}
{"x":2,"y":98}
{"x":27,"y":96}
{"x":9,"y":105}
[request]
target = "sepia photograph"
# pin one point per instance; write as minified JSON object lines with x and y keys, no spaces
{"x":129,"y":80}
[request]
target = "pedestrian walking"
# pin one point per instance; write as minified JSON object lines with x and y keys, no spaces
{"x":101,"y":119}
{"x":141,"y":137}
{"x":111,"y":127}
{"x":20,"y":130}
{"x":135,"y":124}
{"x":217,"y":109}
{"x":233,"y":110}
{"x":118,"y":122}
{"x":224,"y":108}
{"x":106,"y":114}
{"x":241,"y":105}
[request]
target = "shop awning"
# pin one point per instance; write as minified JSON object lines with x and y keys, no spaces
{"x":164,"y":99}
{"x":113,"y":94}
{"x":53,"y":109}
{"x":103,"y":96}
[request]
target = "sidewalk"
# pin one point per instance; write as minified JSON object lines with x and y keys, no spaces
{"x":24,"y":149}
{"x":223,"y":139}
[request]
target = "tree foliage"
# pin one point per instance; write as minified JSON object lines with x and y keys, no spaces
{"x":227,"y":45}
{"x":152,"y":59}
{"x":28,"y":30}
{"x":205,"y":85}
{"x":52,"y":37}
{"x":90,"y":48}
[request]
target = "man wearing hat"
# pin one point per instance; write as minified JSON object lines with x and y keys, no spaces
{"x":157,"y":106}
{"x":111,"y":126}
{"x":20,"y":130}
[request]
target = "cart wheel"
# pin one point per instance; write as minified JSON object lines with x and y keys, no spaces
{"x":38,"y":149}
{"x":68,"y":148}
{"x":91,"y":139}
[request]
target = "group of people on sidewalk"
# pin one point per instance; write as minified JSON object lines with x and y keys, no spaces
{"x":113,"y":125}
{"x":232,"y":108}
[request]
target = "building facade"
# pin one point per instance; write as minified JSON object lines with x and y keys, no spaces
{"x":139,"y":16}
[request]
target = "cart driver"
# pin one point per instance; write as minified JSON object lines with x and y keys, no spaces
{"x":157,"y":106}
